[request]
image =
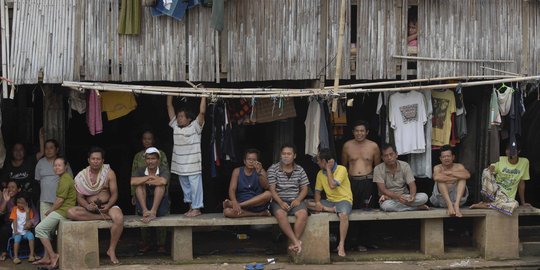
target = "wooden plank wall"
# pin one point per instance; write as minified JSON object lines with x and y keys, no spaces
{"x":201,"y":45}
{"x":158,"y":53}
{"x":43,"y":40}
{"x":332,"y":40}
{"x":101,"y":41}
{"x":272,"y":39}
{"x":378,"y":38}
{"x":469,"y":29}
{"x":534,"y":37}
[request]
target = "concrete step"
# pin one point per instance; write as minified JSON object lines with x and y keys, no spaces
{"x":529,"y":233}
{"x":529,"y":249}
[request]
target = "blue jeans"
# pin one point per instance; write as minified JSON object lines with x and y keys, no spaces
{"x":193,"y":190}
{"x":17,"y":238}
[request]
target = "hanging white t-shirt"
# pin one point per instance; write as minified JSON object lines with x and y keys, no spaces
{"x":407,"y":117}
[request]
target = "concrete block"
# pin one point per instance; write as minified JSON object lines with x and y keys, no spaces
{"x":315,"y":241}
{"x":182,"y":243}
{"x":432,"y":236}
{"x":497,"y":236}
{"x":530,"y":249}
{"x":78,"y":245}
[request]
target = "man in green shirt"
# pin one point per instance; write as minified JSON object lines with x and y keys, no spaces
{"x":511,"y":172}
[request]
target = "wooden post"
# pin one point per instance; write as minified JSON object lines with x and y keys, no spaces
{"x":53,"y":116}
{"x":3,"y":32}
{"x":339,"y":51}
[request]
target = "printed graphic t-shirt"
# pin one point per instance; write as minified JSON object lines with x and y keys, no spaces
{"x":407,"y":117}
{"x":444,"y":104}
{"x":508,"y":175}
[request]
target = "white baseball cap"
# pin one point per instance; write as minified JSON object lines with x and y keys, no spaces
{"x":152,"y":150}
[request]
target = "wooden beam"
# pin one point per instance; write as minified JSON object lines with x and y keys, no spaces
{"x":339,"y":50}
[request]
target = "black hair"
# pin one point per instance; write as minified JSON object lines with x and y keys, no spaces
{"x":23,"y":195}
{"x":61,"y":158}
{"x":288,"y":145}
{"x":54,"y":142}
{"x":252,"y":151}
{"x":325,"y":154}
{"x":385,"y":146}
{"x":14,"y":181}
{"x":189,"y":114}
{"x":446,"y":147}
{"x":96,"y":149}
{"x":361,"y":123}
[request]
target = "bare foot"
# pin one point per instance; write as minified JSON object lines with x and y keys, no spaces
{"x":148,"y":218}
{"x":298,"y":247}
{"x":480,"y":205}
{"x":42,"y":261}
{"x":458,"y":211}
{"x":450,"y":210}
{"x":146,"y":213}
{"x":187,"y":214}
{"x":194,"y":213}
{"x":54,"y":261}
{"x":422,"y":207}
{"x":341,"y":251}
{"x":227,"y":204}
{"x":112,"y":256}
{"x":266,"y":213}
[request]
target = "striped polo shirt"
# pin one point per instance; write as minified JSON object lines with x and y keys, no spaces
{"x":287,"y":187}
{"x":186,"y":156}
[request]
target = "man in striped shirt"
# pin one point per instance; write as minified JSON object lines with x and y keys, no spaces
{"x":289,"y":186}
{"x":186,"y":156}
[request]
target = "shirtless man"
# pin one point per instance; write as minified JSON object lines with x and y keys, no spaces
{"x":361,"y":155}
{"x":97,"y":193}
{"x":450,"y":189}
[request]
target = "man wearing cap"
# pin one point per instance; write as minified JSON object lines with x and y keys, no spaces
{"x":152,"y":195}
{"x":97,"y":193}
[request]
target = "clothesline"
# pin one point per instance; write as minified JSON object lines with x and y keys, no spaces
{"x":227,"y":93}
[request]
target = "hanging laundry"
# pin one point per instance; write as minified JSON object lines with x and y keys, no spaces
{"x":117,"y":104}
{"x":516,"y":112}
{"x":444,"y":104}
{"x":177,"y":8}
{"x":461,"y":112}
{"x":323,"y":129}
{"x":339,"y":120}
{"x":313,"y":127}
{"x":240,"y":111}
{"x":407,"y":117}
{"x":494,"y":112}
{"x":217,"y":120}
{"x":505,"y":99}
{"x":382,"y":111}
{"x":129,"y":22}
{"x":421,"y":163}
{"x":2,"y":151}
{"x":269,"y":110}
{"x":77,"y":101}
{"x":228,"y":145}
{"x":218,"y":14}
{"x":93,"y":113}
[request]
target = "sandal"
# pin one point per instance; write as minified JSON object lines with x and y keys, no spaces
{"x":143,"y":249}
{"x":16,"y":260}
{"x":31,"y":259}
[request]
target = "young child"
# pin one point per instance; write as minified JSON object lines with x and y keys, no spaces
{"x":21,"y":216}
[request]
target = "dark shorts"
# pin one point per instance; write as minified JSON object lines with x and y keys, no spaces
{"x":363,"y":188}
{"x":162,"y":210}
{"x":274,"y":207}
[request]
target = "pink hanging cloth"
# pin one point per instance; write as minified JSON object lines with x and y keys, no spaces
{"x":93,"y":113}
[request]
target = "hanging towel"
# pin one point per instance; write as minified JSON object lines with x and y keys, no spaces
{"x":93,"y":113}
{"x":117,"y":104}
{"x":130,"y":17}
{"x":177,"y":9}
{"x":494,"y":112}
{"x":505,"y":100}
{"x":218,"y":11}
